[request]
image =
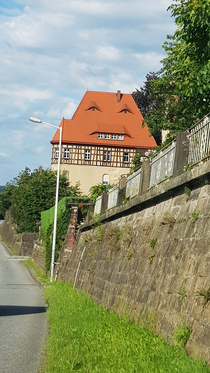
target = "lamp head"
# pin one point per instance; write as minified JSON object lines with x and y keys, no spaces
{"x":35,"y":120}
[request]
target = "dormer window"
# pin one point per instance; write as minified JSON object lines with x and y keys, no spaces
{"x":125,"y":111}
{"x":93,"y":108}
{"x":120,"y":137}
{"x":100,"y":135}
{"x":107,"y":136}
{"x":114,"y":137}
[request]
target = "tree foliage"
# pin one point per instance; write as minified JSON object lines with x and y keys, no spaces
{"x":30,"y":193}
{"x":181,"y":89}
{"x":2,"y":188}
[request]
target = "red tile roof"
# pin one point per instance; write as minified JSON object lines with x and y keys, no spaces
{"x":100,"y":112}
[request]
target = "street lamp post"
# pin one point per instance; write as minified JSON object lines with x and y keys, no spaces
{"x":35,"y":120}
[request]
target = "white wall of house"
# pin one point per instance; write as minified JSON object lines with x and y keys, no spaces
{"x":90,"y":175}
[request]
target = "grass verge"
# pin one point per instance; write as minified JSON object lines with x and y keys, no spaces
{"x":86,"y":338}
{"x":38,"y":275}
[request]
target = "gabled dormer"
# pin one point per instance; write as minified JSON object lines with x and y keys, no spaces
{"x":125,"y":109}
{"x":92,"y":107}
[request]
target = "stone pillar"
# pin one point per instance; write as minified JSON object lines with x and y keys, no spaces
{"x":89,"y":214}
{"x":104,"y":202}
{"x":181,"y":155}
{"x":122,"y":190}
{"x":145,"y":177}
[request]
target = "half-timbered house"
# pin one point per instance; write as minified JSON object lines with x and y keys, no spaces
{"x":101,"y":139}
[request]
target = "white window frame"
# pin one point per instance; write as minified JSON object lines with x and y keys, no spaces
{"x":107,"y":136}
{"x":121,"y":137}
{"x":87,"y":155}
{"x":125,"y":157}
{"x":56,"y":153}
{"x":100,"y":135}
{"x":66,"y":153}
{"x":114,"y":137}
{"x":107,"y":156}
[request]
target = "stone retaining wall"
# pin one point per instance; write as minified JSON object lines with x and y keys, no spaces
{"x":150,"y":258}
{"x":39,"y":256}
{"x":21,"y":243}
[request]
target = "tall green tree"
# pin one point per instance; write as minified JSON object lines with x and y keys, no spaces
{"x":32,"y":192}
{"x":182,"y":87}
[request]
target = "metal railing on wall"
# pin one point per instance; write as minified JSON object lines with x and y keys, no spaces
{"x":113,"y":196}
{"x":133,"y":184}
{"x":98,"y":204}
{"x":162,"y":165}
{"x":199,"y":141}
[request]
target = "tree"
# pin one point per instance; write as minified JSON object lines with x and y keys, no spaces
{"x":144,"y":97}
{"x":149,"y":102}
{"x":182,"y":86}
{"x":32,"y":192}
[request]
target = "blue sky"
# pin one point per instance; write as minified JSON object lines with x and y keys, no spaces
{"x":52,"y":51}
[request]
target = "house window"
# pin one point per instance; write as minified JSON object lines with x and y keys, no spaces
{"x":56,"y":153}
{"x":125,"y":157}
{"x":105,"y":179}
{"x":114,"y":137}
{"x":107,"y":136}
{"x":120,"y":137}
{"x":87,"y":155}
{"x":66,"y":154}
{"x":100,"y":135}
{"x":106,"y":156}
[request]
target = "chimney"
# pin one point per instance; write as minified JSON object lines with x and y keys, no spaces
{"x":118,"y":96}
{"x":40,"y":169}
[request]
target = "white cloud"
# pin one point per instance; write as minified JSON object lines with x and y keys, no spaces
{"x":16,"y":139}
{"x":69,"y":110}
{"x":151,"y":60}
{"x":39,"y":149}
{"x":4,"y":155}
{"x":107,"y":53}
{"x":29,"y":94}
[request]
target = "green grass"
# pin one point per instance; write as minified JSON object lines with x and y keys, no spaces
{"x":36,"y":273}
{"x":86,"y":338}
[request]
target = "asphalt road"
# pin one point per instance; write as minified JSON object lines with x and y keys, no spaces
{"x":23,"y":323}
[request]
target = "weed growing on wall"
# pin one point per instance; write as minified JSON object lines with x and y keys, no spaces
{"x":181,"y":336}
{"x":187,"y":191}
{"x":188,"y":167}
{"x":90,"y":255}
{"x":205,"y":294}
{"x":194,"y":217}
{"x":98,"y":228}
{"x":129,"y":254}
{"x":151,"y":258}
{"x":182,"y":294}
{"x":153,"y":242}
{"x":113,"y":236}
{"x":168,"y":219}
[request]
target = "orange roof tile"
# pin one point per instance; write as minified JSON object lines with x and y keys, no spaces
{"x":108,"y":116}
